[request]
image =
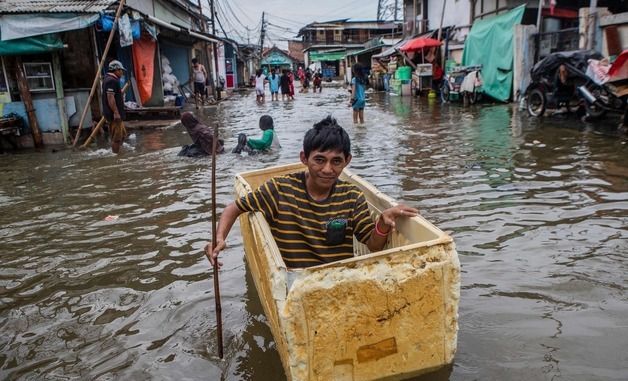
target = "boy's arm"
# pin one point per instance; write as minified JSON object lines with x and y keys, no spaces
{"x":227,"y":219}
{"x":386,"y":223}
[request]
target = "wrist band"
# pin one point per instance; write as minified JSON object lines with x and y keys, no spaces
{"x":379,"y":232}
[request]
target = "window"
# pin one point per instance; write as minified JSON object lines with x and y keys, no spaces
{"x":39,"y":76}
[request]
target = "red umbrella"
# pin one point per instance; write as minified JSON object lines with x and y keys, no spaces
{"x":420,"y":43}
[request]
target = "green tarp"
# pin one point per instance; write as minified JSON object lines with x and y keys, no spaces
{"x":327,"y":56}
{"x":31,"y":45}
{"x":490,"y":44}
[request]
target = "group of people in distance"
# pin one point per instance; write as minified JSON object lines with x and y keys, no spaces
{"x":283,"y":82}
{"x":306,"y":76}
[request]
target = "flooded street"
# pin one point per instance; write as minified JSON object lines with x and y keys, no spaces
{"x":538,"y":211}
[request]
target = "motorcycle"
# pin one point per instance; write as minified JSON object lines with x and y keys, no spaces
{"x":546,"y":91}
{"x":462,"y":81}
{"x":607,"y":89}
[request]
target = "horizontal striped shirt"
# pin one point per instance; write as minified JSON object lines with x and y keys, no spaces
{"x":300,"y":224}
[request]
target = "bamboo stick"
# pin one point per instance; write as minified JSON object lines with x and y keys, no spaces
{"x":97,"y":77}
{"x":216,"y":283}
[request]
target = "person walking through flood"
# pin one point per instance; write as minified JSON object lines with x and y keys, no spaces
{"x":199,"y":77}
{"x":291,"y":79}
{"x":113,"y":104}
{"x":318,"y":81}
{"x":274,"y":85}
{"x":285,"y":85}
{"x":313,"y":215}
{"x":260,"y":83}
{"x":268,"y":140}
{"x":202,"y":138}
{"x":358,"y":93}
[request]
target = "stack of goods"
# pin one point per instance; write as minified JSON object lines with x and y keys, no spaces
{"x":171,"y":83}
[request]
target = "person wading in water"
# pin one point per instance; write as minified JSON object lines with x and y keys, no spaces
{"x":312,"y":214}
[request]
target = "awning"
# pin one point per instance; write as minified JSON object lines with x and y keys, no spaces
{"x":197,"y":35}
{"x":363,"y":51}
{"x":26,"y":25}
{"x":327,"y":56}
{"x":31,"y":45}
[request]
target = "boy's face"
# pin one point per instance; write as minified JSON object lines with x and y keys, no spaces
{"x":325,"y":167}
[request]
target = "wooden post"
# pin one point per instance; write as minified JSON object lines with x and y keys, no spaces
{"x":97,"y":77}
{"x":442,"y":16}
{"x":25,"y":94}
{"x":214,"y":220}
{"x":63,"y":115}
{"x":591,"y":23}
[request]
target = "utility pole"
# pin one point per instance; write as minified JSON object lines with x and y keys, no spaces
{"x":379,"y":9}
{"x":591,"y":24}
{"x":262,"y":33}
{"x":414,"y":14}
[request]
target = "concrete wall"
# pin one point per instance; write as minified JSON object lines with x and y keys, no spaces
{"x":144,"y":6}
{"x":46,"y":111}
{"x":523,"y":58}
{"x":617,"y":23}
{"x":172,"y":14}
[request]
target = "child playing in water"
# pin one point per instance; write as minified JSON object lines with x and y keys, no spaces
{"x":268,"y":140}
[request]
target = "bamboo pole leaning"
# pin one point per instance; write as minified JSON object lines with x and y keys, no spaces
{"x":97,"y":76}
{"x":215,"y":267}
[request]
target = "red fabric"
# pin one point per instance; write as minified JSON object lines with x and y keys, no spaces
{"x":144,"y":65}
{"x":420,"y":43}
{"x":437,"y":72}
{"x":619,"y":68}
{"x":560,"y":13}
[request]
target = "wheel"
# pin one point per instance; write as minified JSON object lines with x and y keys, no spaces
{"x":444,"y":93}
{"x":536,"y":103}
{"x":594,"y":111}
{"x":475,"y":96}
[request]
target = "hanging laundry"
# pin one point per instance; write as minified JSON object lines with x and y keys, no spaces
{"x":126,"y":35}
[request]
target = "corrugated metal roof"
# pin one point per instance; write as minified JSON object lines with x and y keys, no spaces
{"x":54,"y":6}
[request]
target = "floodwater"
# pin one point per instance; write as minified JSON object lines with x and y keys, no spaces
{"x":538,"y":210}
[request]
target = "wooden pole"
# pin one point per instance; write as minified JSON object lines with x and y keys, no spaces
{"x":25,"y":94}
{"x":97,"y":77}
{"x":101,"y":122}
{"x":216,"y":283}
{"x":442,"y":16}
{"x":591,"y":22}
{"x":63,"y":115}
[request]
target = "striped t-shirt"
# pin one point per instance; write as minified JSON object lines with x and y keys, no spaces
{"x":300,"y":224}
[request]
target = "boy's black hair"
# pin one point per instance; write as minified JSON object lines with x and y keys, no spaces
{"x":327,"y":135}
{"x":266,"y":123}
{"x":194,"y":60}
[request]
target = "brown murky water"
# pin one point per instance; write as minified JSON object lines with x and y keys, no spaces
{"x":538,"y":210}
